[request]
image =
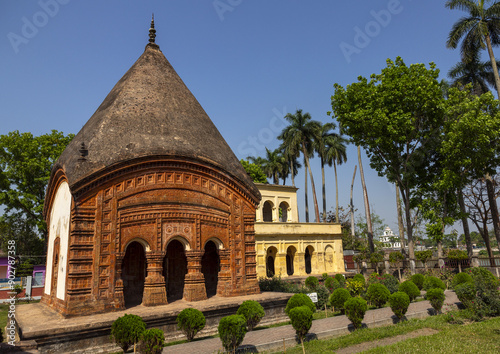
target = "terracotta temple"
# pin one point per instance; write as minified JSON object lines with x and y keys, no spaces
{"x":148,"y":204}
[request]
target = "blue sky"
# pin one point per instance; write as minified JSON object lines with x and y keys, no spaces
{"x":247,"y":62}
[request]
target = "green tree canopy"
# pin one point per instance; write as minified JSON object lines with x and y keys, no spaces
{"x":26,"y":162}
{"x":396,"y":117}
{"x":254,"y":171}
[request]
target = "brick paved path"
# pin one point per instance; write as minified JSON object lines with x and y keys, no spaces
{"x":272,"y":338}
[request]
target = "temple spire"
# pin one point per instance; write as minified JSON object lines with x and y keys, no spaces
{"x":152,"y":31}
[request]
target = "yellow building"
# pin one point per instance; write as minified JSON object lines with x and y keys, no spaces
{"x":286,"y":247}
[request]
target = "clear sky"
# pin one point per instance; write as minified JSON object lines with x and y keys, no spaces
{"x":248,"y":62}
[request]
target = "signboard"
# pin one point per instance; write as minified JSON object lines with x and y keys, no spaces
{"x":313,"y":297}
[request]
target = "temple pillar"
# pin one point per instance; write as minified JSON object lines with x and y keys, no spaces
{"x":301,"y":264}
{"x":154,"y":284}
{"x":119,"y":299}
{"x":194,"y":282}
{"x":224,"y":281}
{"x":280,"y":264}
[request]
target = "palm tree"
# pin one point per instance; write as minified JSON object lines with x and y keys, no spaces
{"x":473,"y":71}
{"x":274,"y":164}
{"x":321,"y":146}
{"x":336,"y":155}
{"x":293,"y":164}
{"x":369,"y":228}
{"x":479,"y":30}
{"x":299,"y":135}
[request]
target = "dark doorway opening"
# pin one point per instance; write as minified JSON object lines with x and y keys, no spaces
{"x":270,"y":257}
{"x":133,"y":274}
{"x":307,"y":258}
{"x":174,"y":270}
{"x":290,"y":256}
{"x":210,"y":267}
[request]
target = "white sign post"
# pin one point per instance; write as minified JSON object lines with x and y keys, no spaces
{"x":313,"y":297}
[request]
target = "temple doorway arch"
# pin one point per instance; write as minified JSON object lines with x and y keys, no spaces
{"x":210,"y":267}
{"x":133,"y":274}
{"x":174,"y":270}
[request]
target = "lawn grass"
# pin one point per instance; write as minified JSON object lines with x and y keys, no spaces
{"x":481,"y":337}
{"x":4,"y":311}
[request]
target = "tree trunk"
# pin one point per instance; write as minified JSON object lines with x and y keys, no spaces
{"x":400,"y":221}
{"x":465,"y":224}
{"x":336,"y":192}
{"x":493,"y":64}
{"x":313,"y":188}
{"x":493,"y":207}
{"x":305,"y":193}
{"x":352,"y":204}
{"x":323,"y":188}
{"x":369,"y":228}
{"x":409,"y":229}
{"x":291,"y":169}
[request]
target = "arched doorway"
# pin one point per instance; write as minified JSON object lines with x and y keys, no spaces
{"x":267,"y":212}
{"x":210,"y":267}
{"x":270,"y":257}
{"x":290,"y":257}
{"x":133,"y":274}
{"x":174,"y":270}
{"x":55,"y":266}
{"x":307,"y":258}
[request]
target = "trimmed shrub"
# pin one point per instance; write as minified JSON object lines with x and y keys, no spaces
{"x":301,"y":318}
{"x":152,"y":341}
{"x":312,"y":283}
{"x":378,"y":294}
{"x":331,"y":284}
{"x":190,"y":321}
{"x":410,"y":289}
{"x":324,"y":276}
{"x":252,"y":311}
{"x":399,"y":302}
{"x":460,"y":278}
{"x":483,"y":278}
{"x":374,"y":278}
{"x":355,"y":286}
{"x":391,"y":282}
{"x":127,"y":330}
{"x":433,"y":283}
{"x":436,"y":298}
{"x":355,"y":309}
{"x":323,"y":296}
{"x":340,"y":278}
{"x":466,"y":293}
{"x":299,"y":300}
{"x":418,"y":279}
{"x":232,"y":330}
{"x":361,"y":278}
{"x":338,"y":298}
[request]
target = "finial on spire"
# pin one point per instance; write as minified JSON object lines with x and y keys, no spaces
{"x":152,"y":31}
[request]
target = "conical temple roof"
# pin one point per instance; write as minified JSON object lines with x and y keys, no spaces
{"x":149,"y":112}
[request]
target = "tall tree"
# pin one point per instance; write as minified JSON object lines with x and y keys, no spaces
{"x":301,"y":133}
{"x":480,"y":29}
{"x":368,"y":215}
{"x":336,"y":155}
{"x":401,"y":226}
{"x":321,"y":147}
{"x":395,"y":117}
{"x":291,"y":158}
{"x":25,"y":165}
{"x":254,"y":171}
{"x":470,"y":144}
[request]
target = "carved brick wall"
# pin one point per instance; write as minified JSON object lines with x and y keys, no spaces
{"x":154,"y":202}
